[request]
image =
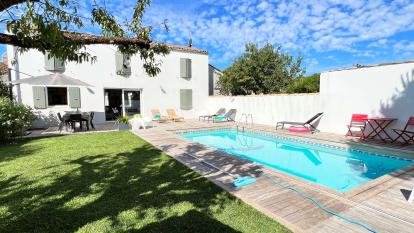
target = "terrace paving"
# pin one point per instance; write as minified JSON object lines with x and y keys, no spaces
{"x":381,"y":204}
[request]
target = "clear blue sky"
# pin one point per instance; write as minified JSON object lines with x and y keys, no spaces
{"x":328,"y":34}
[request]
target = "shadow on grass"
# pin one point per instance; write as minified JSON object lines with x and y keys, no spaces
{"x":103,"y":186}
{"x":186,"y":223}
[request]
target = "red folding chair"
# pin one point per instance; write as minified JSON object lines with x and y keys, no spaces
{"x":404,"y":134}
{"x":358,"y":122}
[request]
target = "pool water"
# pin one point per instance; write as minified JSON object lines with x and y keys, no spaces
{"x":335,"y":168}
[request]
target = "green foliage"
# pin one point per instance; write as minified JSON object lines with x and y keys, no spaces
{"x":4,"y":89}
{"x":122,"y":120}
{"x":113,"y":182}
{"x":14,"y":118}
{"x":263,"y":70}
{"x":308,"y":84}
{"x":42,"y":25}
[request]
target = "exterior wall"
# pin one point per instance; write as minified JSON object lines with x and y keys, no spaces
{"x":159,"y":92}
{"x":377,"y":91}
{"x":268,"y":109}
{"x":386,"y":90}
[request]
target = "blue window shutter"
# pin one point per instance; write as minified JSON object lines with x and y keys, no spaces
{"x":39,"y":97}
{"x":74,"y":97}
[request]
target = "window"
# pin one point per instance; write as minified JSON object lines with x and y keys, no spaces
{"x":185,"y":68}
{"x":123,"y":63}
{"x":53,"y":63}
{"x":57,"y":95}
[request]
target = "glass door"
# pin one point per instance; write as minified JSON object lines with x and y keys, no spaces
{"x":132,"y":102}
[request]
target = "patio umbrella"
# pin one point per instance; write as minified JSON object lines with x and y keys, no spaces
{"x":55,"y":79}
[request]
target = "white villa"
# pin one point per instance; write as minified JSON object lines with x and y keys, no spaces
{"x":116,"y":81}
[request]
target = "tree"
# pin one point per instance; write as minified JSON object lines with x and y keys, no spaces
{"x":55,"y":26}
{"x":308,"y":84}
{"x":263,"y":70}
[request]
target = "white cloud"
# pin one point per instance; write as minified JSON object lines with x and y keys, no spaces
{"x":296,"y":25}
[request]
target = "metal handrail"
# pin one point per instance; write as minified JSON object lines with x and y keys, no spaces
{"x":246,"y":118}
{"x":240,"y":121}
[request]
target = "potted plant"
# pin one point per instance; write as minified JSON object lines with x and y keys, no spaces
{"x":123,"y":123}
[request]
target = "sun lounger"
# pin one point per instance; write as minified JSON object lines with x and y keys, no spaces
{"x":307,"y":124}
{"x":157,"y":117}
{"x":173,"y":116}
{"x":229,"y":116}
{"x":220,"y":112}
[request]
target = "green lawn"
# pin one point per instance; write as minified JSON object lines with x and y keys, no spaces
{"x":112,"y":182}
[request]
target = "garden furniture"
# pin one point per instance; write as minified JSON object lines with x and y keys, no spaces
{"x":405,"y":134}
{"x":307,"y":124}
{"x":358,"y":122}
{"x":378,"y":126}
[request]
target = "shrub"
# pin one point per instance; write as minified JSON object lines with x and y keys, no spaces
{"x":308,"y":84}
{"x":14,"y":119}
{"x":123,"y":120}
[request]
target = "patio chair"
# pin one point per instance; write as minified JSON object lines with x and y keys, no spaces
{"x":62,"y":122}
{"x":229,"y":116}
{"x":406,"y":135}
{"x":308,"y":124}
{"x":115,"y":112}
{"x":91,"y":115}
{"x":358,"y":122}
{"x":220,"y":112}
{"x":173,"y":116}
{"x":156,"y":116}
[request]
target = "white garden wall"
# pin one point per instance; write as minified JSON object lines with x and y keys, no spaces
{"x":383,"y":90}
{"x":268,"y":109}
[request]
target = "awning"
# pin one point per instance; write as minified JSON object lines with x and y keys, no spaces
{"x":55,"y":79}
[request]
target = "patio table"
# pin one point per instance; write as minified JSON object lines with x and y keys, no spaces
{"x":85,"y":116}
{"x":378,"y":126}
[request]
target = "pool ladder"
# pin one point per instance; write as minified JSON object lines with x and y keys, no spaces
{"x":240,"y":126}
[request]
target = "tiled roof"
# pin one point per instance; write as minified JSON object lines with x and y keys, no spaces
{"x":187,"y":49}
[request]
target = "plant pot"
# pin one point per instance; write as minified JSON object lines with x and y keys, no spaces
{"x":123,"y":126}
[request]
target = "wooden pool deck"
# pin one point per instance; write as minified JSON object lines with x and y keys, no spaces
{"x":381,"y":204}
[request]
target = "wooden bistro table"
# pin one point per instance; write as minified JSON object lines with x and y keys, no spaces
{"x":378,"y":126}
{"x":85,"y":116}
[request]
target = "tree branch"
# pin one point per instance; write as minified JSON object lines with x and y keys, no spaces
{"x":5,"y":4}
{"x":81,"y":38}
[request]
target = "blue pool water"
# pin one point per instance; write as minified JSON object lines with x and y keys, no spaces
{"x":332,"y":167}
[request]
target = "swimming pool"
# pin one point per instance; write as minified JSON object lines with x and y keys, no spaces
{"x":336,"y":168}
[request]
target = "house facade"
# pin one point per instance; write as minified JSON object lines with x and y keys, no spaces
{"x":117,"y":84}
